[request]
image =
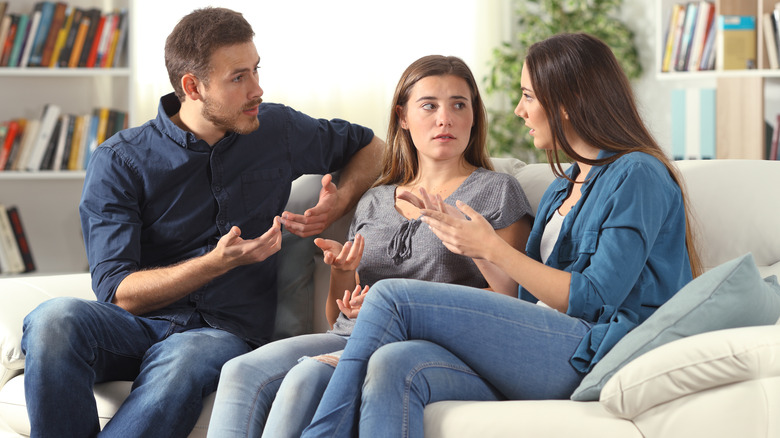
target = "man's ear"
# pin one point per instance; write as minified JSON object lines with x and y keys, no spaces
{"x":190,"y":84}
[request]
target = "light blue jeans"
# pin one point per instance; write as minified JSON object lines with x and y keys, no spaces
{"x":71,"y":344}
{"x":247,"y":392}
{"x":418,"y":342}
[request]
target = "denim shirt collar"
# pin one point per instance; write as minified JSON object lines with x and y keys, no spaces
{"x":170,"y":105}
{"x":574,"y":169}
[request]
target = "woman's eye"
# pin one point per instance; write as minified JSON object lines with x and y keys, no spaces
{"x":428,"y":106}
{"x":460,"y":105}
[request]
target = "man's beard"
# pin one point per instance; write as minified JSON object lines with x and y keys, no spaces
{"x":215,"y":113}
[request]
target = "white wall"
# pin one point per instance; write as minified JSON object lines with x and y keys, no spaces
{"x":342,"y":58}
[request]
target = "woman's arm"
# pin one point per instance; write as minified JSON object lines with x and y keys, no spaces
{"x":516,"y":235}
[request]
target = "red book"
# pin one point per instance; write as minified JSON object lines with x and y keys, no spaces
{"x":95,"y":43}
{"x":21,"y":239}
{"x":10,"y":137}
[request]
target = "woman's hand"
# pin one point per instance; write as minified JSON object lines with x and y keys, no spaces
{"x":351,"y":303}
{"x":427,"y":201}
{"x":470,"y":234}
{"x":344,"y":258}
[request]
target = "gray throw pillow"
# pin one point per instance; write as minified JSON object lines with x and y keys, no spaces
{"x":728,"y":296}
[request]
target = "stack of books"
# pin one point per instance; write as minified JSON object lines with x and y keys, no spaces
{"x":690,"y":37}
{"x":55,"y":34}
{"x":56,"y":141}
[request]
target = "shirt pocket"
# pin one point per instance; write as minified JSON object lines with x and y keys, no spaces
{"x":582,"y":248}
{"x":262,"y":191}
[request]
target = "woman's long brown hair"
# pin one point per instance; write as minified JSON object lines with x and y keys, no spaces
{"x":579,"y":73}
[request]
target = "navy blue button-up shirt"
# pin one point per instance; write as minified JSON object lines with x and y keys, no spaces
{"x":623,"y":243}
{"x":155,"y":195}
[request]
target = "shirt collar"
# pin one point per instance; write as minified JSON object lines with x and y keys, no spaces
{"x":563,"y":184}
{"x":170,"y":105}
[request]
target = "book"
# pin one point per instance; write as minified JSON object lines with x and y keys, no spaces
{"x":67,"y":47}
{"x":105,"y":37}
{"x":21,"y":239}
{"x":120,"y":45}
{"x":62,"y":35}
{"x":687,"y":35}
{"x":705,"y":15}
{"x":75,"y":143}
{"x":775,"y":140}
{"x":83,"y":153}
{"x":89,"y":37}
{"x":8,"y":42}
{"x":770,"y":39}
{"x":51,"y":147}
{"x":10,"y":139}
{"x":29,"y":39}
{"x":78,"y":43}
{"x":92,"y":134}
{"x":708,"y":52}
{"x":5,"y":27}
{"x":737,"y":42}
{"x":17,"y":144}
{"x":28,"y":138}
{"x":62,"y":142}
{"x":10,"y":249}
{"x":93,"y":49}
{"x":41,"y":32}
{"x":57,"y":21}
{"x":49,"y":118}
{"x":19,"y":39}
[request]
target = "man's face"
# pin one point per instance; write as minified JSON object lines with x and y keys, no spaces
{"x":233,"y":94}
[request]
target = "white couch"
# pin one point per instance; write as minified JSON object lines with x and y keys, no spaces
{"x":737,"y":208}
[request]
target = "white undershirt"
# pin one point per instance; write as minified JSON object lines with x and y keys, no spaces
{"x":550,"y":236}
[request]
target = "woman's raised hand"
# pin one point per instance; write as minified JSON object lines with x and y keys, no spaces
{"x":351,"y":303}
{"x":467,"y":234}
{"x":344,"y":257}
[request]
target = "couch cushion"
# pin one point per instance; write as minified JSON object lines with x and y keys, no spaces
{"x":728,"y":296}
{"x":691,"y":365}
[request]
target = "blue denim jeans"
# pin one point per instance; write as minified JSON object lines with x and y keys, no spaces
{"x":479,"y":346}
{"x":71,"y":344}
{"x":249,"y":384}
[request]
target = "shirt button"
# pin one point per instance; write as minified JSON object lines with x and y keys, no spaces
{"x":217,"y":188}
{"x":221,"y":222}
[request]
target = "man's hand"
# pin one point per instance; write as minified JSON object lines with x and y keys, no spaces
{"x":346,"y":257}
{"x":351,"y":303}
{"x":236,"y":251}
{"x":316,"y":219}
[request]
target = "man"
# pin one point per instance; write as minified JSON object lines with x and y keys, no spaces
{"x":181,"y":221}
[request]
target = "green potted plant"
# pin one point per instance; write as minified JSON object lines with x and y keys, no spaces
{"x":537,"y":20}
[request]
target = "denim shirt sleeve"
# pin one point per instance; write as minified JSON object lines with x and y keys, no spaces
{"x":634,"y":209}
{"x":110,"y":215}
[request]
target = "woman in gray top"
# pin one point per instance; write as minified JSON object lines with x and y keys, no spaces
{"x":436,"y":155}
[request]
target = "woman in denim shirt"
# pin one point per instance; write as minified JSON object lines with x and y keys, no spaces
{"x":609,"y":245}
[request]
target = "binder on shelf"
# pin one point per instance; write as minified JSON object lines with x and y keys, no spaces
{"x":737,"y":42}
{"x":693,"y":127}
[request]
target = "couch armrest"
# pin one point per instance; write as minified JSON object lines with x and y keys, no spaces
{"x":20,"y":295}
{"x":691,"y":365}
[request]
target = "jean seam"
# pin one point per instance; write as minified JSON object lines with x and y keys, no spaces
{"x":408,"y":382}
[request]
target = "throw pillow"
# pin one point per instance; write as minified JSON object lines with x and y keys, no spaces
{"x":727,"y":296}
{"x":691,"y":365}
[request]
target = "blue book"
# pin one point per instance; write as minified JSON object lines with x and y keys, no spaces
{"x":47,"y":13}
{"x":678,"y":123}
{"x":707,"y":123}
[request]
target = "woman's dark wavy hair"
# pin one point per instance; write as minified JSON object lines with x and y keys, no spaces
{"x":578,"y":73}
{"x":196,"y":37}
{"x":399,"y":162}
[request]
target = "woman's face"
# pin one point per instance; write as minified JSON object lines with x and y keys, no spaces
{"x":533,"y":114}
{"x":439,"y":116}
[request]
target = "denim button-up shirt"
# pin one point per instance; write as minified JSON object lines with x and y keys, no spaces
{"x":155,"y":195}
{"x":623,"y":243}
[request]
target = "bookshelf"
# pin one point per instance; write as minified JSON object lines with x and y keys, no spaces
{"x":48,"y":200}
{"x":745,"y":98}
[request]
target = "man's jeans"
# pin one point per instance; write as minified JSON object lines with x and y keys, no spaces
{"x":71,"y":344}
{"x":418,"y":342}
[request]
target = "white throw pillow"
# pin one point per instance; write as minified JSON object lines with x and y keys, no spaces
{"x":691,"y":365}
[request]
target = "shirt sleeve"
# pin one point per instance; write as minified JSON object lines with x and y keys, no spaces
{"x":110,"y":221}
{"x":319,"y":146}
{"x":635,"y":208}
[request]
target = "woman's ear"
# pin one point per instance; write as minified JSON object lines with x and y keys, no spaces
{"x":190,"y":83}
{"x":399,"y":111}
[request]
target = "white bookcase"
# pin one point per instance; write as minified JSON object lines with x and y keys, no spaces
{"x":48,"y":200}
{"x":745,"y":98}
